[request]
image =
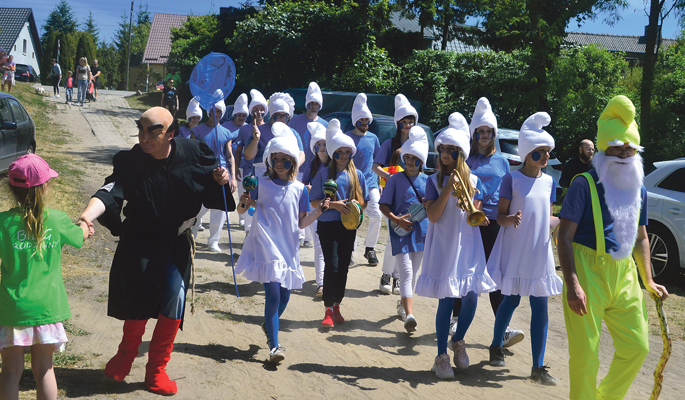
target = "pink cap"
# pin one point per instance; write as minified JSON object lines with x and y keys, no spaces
{"x":29,"y":171}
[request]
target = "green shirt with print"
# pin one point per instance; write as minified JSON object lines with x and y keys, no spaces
{"x":31,"y":287}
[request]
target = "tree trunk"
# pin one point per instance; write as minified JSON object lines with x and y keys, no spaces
{"x":648,"y":73}
{"x":445,"y":32}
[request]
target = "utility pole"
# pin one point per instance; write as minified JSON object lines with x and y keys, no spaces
{"x":128,"y":58}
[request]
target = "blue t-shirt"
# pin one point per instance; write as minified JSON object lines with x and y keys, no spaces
{"x":367,"y":148}
{"x":216,"y":139}
{"x":577,"y":207}
{"x":343,"y":182}
{"x":234,"y":129}
{"x":299,"y":124}
{"x":201,"y":131}
{"x":306,"y":173}
{"x":432,"y":191}
{"x":505,"y":189}
{"x":490,"y":170}
{"x":184,"y":132}
{"x":304,"y":199}
{"x":384,"y":155}
{"x":399,"y":195}
{"x":245,"y":137}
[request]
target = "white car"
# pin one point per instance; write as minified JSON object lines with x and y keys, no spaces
{"x":666,"y":214}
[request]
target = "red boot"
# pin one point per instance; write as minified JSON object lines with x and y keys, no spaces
{"x":120,"y":365}
{"x":337,"y":317}
{"x":161,"y":345}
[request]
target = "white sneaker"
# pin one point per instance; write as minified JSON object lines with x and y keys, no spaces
{"x":410,"y":323}
{"x":453,"y":326}
{"x":214,"y":247}
{"x":276,"y":355}
{"x":400,"y":310}
{"x":512,"y":336}
{"x":461,"y":359}
{"x":395,"y":285}
{"x":57,"y":95}
{"x":384,"y":286}
{"x":200,"y":228}
{"x":241,"y":222}
{"x":442,"y":367}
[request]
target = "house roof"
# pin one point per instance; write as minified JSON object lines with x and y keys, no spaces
{"x":405,"y":24}
{"x":159,"y":41}
{"x":13,"y":20}
{"x":624,"y":43}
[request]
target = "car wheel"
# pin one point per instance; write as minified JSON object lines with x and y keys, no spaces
{"x":663,"y":251}
{"x":31,"y":149}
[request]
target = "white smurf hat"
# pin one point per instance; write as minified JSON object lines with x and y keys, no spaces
{"x":360,"y":109}
{"x":257,"y":98}
{"x":532,"y":136}
{"x":314,"y":95}
{"x":221,"y":106}
{"x":457,"y":134}
{"x":483,"y":116}
{"x":336,"y":139}
{"x":193,"y":109}
{"x":416,"y":144}
{"x":317,"y":132}
{"x":284,"y":141}
{"x":281,"y":102}
{"x":240,"y":105}
{"x":403,"y":108}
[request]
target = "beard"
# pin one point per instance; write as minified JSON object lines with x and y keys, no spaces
{"x":622,"y":181}
{"x":585,"y":158}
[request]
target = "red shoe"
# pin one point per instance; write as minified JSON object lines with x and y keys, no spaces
{"x":161,"y":345}
{"x":120,"y":365}
{"x":327,"y":319}
{"x":337,"y":317}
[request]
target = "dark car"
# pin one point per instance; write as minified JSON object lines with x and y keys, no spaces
{"x":25,"y":73}
{"x":384,"y":127}
{"x":17,"y":129}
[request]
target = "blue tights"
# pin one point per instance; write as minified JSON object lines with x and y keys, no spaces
{"x":444,"y":314}
{"x":539,"y":322}
{"x":277,"y":298}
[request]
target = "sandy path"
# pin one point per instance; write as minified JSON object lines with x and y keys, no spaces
{"x":221,"y":352}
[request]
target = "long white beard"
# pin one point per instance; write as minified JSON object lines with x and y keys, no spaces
{"x":622,"y":180}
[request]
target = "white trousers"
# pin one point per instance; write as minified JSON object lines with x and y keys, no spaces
{"x":318,"y":255}
{"x":216,"y":224}
{"x":389,"y":262}
{"x":373,"y":213}
{"x":409,"y":265}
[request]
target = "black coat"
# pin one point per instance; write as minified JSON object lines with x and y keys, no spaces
{"x":160,"y":195}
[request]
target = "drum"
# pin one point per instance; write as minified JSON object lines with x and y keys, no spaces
{"x":417,"y":213}
{"x":354,"y":218}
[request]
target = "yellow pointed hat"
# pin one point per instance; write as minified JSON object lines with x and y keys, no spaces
{"x":616,"y":126}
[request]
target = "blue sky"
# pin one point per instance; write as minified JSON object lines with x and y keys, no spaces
{"x":107,"y":15}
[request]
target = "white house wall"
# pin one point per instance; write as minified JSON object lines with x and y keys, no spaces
{"x":30,"y":57}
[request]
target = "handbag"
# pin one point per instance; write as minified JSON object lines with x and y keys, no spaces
{"x":416,"y":211}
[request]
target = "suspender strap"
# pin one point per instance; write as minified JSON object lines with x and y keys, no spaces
{"x":600,"y":248}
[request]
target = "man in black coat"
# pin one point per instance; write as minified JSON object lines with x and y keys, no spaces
{"x":578,"y":165}
{"x":164,"y":181}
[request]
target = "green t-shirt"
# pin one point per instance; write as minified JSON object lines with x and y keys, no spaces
{"x":31,"y":289}
{"x":176,"y":77}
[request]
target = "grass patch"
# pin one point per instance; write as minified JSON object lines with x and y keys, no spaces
{"x":74,"y":330}
{"x":61,"y":360}
{"x":144,"y":101}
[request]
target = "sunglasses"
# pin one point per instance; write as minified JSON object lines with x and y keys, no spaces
{"x":149,"y":128}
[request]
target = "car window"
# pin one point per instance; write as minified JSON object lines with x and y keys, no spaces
{"x":345,"y":121}
{"x":5,"y":114}
{"x":509,"y":146}
{"x":17,"y":111}
{"x":674,"y":181}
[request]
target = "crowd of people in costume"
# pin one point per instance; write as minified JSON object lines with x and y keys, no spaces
{"x":472,"y":227}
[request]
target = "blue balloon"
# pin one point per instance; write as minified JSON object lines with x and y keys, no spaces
{"x":212,"y":79}
{"x":250,"y":211}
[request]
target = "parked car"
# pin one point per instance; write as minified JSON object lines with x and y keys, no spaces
{"x":25,"y":73}
{"x":160,"y":85}
{"x":384,"y":127}
{"x":17,"y":129}
{"x":507,"y":144}
{"x":666,"y":219}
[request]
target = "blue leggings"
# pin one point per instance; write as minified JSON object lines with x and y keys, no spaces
{"x":539,"y":322}
{"x":444,"y":314}
{"x":277,"y":298}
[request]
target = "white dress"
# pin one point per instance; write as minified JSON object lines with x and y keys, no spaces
{"x":522,"y":261}
{"x":271,"y":249}
{"x":453,"y":256}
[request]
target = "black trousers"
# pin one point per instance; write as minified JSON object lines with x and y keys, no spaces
{"x":337,"y":244}
{"x":55,"y":84}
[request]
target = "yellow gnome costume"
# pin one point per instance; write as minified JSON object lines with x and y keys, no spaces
{"x":606,"y":211}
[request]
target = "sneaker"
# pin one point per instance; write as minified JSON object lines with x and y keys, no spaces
{"x":241,"y":222}
{"x":57,"y":95}
{"x":214,"y":247}
{"x":453,"y":326}
{"x":307,"y":244}
{"x":410,"y":323}
{"x":266,"y":333}
{"x":200,"y":228}
{"x":370,"y":256}
{"x":400,"y":310}
{"x":461,"y":359}
{"x":327,"y":319}
{"x":496,"y":356}
{"x":385,"y":287}
{"x":301,"y":242}
{"x":337,"y":317}
{"x":541,"y":376}
{"x":276,"y":355}
{"x":442,"y":367}
{"x":395,"y":285}
{"x":319,"y":292}
{"x":512,"y":336}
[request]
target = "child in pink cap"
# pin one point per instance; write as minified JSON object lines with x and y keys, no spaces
{"x":33,"y":301}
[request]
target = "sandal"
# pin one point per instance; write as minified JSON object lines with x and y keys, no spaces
{"x":319,"y":292}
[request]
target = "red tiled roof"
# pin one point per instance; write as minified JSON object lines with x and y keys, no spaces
{"x":159,"y":41}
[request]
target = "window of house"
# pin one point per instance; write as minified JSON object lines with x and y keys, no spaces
{"x":24,"y":52}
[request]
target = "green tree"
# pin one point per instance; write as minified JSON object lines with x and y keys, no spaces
{"x":84,"y":48}
{"x":90,"y":27}
{"x":139,"y":34}
{"x":61,"y":19}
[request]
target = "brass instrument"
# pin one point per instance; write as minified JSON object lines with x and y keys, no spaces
{"x":475,"y":217}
